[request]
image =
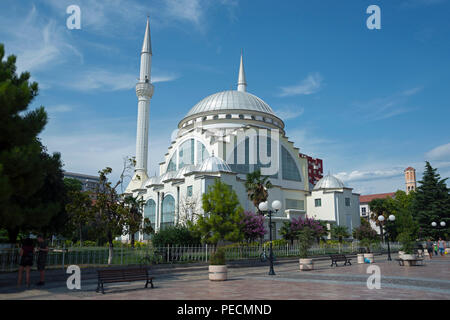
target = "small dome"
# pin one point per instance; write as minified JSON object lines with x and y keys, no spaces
{"x":329,"y":182}
{"x":168,"y":176}
{"x":214,"y":164}
{"x":185,"y":170}
{"x":152,"y":180}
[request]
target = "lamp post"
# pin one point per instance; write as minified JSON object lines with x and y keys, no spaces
{"x":264,"y":208}
{"x":435,"y":225}
{"x":381,"y":219}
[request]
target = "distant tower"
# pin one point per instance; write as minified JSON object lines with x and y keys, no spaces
{"x":410,"y":179}
{"x":144,"y":92}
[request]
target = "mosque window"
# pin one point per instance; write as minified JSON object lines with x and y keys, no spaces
{"x":318,"y":202}
{"x":168,"y":212}
{"x":216,"y":117}
{"x":347,"y":202}
{"x":241,"y":116}
{"x":186,"y":153}
{"x":202,"y":153}
{"x":204,"y":118}
{"x":228,"y":116}
{"x":150,"y":213}
{"x":189,"y":191}
{"x":172,"y":166}
{"x":253,"y":118}
{"x":289,"y":166}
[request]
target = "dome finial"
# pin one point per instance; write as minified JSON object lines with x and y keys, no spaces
{"x":242,"y":83}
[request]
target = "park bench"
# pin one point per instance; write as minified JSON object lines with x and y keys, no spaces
{"x":122,"y":275}
{"x":412,"y":262}
{"x":339,"y":257}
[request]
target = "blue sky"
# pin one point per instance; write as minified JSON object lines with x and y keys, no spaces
{"x":368,"y":102}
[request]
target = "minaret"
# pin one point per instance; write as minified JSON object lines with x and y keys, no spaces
{"x":144,"y":92}
{"x":410,"y":179}
{"x":242,"y":84}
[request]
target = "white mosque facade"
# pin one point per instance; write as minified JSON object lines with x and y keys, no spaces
{"x":227,"y":135}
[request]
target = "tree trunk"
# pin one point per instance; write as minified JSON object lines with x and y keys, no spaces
{"x":132,"y":240}
{"x":81,"y":240}
{"x":110,"y":256}
{"x":12,"y":235}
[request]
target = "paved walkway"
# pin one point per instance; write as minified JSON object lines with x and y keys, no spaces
{"x":431,"y":281}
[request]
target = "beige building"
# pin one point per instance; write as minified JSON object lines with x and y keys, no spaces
{"x":410,"y":179}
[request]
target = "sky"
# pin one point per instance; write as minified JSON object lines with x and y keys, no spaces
{"x":368,"y":102}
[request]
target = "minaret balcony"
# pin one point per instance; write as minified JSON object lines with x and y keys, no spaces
{"x":144,"y":89}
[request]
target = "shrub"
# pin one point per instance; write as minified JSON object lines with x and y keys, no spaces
{"x":218,"y":258}
{"x":279,"y":242}
{"x":306,"y":239}
{"x":175,"y":236}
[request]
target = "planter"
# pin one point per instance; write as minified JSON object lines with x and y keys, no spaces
{"x":408,"y":259}
{"x":306,"y":264}
{"x":218,"y":273}
{"x":360,"y":257}
{"x":369,"y":256}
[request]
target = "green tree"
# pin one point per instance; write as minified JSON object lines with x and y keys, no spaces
{"x":223,"y":215}
{"x":175,"y":236}
{"x":257,"y":187}
{"x":79,"y":207}
{"x":110,"y":213}
{"x":339,"y":232}
{"x":134,"y":220}
{"x":306,"y":239}
{"x":432,"y":203}
{"x":22,"y":156}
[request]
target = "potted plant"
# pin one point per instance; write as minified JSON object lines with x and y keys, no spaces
{"x":217,"y":266}
{"x":407,"y":241}
{"x":306,"y":239}
{"x":366,"y":236}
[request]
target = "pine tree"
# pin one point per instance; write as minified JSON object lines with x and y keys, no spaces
{"x":223,"y":215}
{"x":432,"y":203}
{"x":30,"y":179}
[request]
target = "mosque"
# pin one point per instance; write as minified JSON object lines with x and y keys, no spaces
{"x":227,"y":135}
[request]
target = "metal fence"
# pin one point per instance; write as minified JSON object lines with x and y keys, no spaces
{"x":61,"y":257}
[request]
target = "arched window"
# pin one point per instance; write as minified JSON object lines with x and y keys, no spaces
{"x":202,"y":153}
{"x":186,"y":154}
{"x":173,"y":163}
{"x":289,"y":166}
{"x":150,"y":213}
{"x":168,"y":212}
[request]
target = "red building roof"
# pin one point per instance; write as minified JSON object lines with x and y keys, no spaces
{"x":370,"y":197}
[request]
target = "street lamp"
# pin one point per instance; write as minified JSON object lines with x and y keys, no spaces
{"x":264,"y":208}
{"x":381,"y":219}
{"x":442,"y":224}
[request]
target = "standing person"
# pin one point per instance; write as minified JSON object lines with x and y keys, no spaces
{"x":435,"y":248}
{"x":42,"y":258}
{"x":441,"y":244}
{"x":26,"y":261}
{"x":430,"y":248}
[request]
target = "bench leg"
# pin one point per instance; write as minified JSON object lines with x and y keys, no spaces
{"x":151,"y":283}
{"x":103,"y":289}
{"x":98,"y":287}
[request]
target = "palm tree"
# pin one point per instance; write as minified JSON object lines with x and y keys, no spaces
{"x":257,"y":187}
{"x":339,"y":232}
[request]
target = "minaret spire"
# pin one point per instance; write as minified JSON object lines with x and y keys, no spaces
{"x":242,"y":83}
{"x":144,"y":92}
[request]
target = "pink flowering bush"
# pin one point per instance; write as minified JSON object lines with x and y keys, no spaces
{"x":253,"y":226}
{"x":291,"y":229}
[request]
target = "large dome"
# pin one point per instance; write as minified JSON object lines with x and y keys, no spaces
{"x":329,"y":182}
{"x":231,"y":100}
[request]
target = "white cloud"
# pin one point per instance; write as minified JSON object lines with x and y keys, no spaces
{"x":38,"y":43}
{"x":439,"y":153}
{"x":290,"y":113}
{"x":387,"y":107}
{"x":99,"y":79}
{"x":357,"y":175}
{"x":308,"y":86}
